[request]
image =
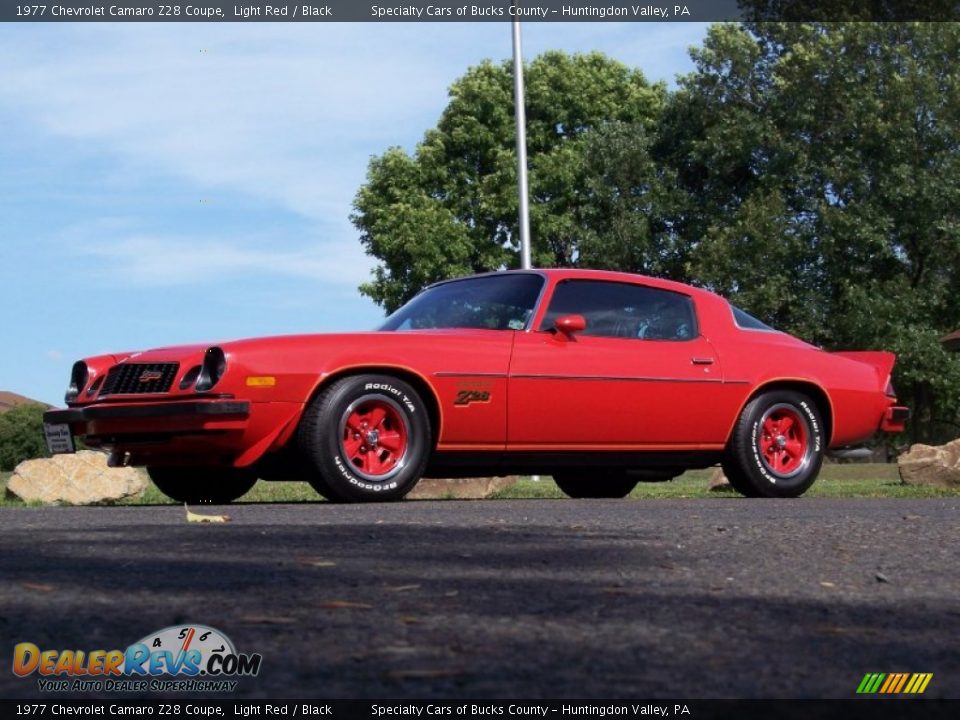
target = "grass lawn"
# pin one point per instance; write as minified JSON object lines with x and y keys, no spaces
{"x":848,"y":480}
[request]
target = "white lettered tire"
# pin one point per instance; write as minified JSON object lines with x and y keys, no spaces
{"x":366,"y":438}
{"x":777,"y":446}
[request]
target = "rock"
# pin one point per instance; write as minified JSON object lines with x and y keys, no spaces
{"x":933,"y":466}
{"x":459,"y":488}
{"x":718,"y":481}
{"x":79,"y":479}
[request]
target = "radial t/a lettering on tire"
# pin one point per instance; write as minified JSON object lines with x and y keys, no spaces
{"x":366,"y":438}
{"x":777,"y":446}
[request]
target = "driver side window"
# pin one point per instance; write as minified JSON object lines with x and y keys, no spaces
{"x":623,"y":310}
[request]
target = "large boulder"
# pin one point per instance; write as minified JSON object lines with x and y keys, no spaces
{"x":934,"y":466}
{"x":718,"y":482}
{"x":459,"y":488}
{"x":79,"y":479}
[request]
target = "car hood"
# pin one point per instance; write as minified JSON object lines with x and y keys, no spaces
{"x":303,"y":342}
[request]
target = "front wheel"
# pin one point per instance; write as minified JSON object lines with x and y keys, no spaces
{"x":777,"y":446}
{"x":595,"y":484}
{"x":202,"y":485}
{"x":366,"y":438}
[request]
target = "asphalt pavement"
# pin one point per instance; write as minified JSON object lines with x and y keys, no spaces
{"x":717,"y":598}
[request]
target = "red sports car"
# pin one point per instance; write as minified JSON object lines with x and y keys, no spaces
{"x":599,"y":379}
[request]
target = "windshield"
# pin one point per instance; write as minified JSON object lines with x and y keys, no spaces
{"x":490,"y":302}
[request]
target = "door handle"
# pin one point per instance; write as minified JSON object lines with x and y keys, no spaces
{"x":702,"y":360}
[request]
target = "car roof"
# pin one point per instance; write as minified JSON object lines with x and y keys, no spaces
{"x":559,"y":274}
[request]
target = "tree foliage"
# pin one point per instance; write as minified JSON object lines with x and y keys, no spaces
{"x":451,"y":208}
{"x":808,"y":171}
{"x":21,"y":435}
{"x":821,"y":169}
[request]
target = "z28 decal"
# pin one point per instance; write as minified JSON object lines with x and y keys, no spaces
{"x":465,"y":397}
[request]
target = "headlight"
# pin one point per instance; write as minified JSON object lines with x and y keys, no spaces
{"x":213,"y":368}
{"x":78,"y":380}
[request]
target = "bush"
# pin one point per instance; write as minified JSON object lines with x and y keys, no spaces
{"x":21,"y":435}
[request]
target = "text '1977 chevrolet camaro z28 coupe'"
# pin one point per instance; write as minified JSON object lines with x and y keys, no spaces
{"x":599,"y":379}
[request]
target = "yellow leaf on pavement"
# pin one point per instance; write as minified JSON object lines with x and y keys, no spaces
{"x":197,"y":517}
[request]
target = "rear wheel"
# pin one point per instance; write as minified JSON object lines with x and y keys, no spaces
{"x":595,"y":483}
{"x":366,"y":438}
{"x":777,"y":446}
{"x":202,"y":485}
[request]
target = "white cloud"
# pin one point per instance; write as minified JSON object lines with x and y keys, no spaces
{"x":266,"y":110}
{"x":145,"y":260}
{"x":284,"y":112}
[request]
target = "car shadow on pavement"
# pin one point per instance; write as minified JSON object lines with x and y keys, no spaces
{"x":428,"y":606}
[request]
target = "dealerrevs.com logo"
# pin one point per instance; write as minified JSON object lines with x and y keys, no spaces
{"x":178,"y":658}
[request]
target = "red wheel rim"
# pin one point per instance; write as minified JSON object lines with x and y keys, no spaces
{"x":784,"y":440}
{"x":374,"y":437}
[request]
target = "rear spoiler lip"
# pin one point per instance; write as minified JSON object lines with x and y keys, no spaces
{"x":881,"y":360}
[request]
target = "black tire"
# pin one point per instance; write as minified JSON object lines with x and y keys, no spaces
{"x":595,"y":483}
{"x":202,"y":485}
{"x":736,"y":476}
{"x":343,"y":470}
{"x":777,"y":446}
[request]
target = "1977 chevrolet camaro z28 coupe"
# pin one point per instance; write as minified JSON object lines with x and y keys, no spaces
{"x":599,"y":379}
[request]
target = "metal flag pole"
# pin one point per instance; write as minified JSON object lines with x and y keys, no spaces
{"x":523,"y":190}
{"x":521,"y":117}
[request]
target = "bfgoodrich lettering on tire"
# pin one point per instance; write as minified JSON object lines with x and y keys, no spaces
{"x":777,"y":446}
{"x":366,"y":438}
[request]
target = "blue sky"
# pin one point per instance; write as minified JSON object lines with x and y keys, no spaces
{"x":167,"y":183}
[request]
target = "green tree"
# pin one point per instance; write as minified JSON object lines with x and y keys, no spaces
{"x":21,"y":435}
{"x":451,"y":208}
{"x":821,"y":168}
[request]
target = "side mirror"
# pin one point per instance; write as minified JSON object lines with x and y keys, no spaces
{"x":570,"y":324}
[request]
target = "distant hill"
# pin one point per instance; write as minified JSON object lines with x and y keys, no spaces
{"x":9,"y":400}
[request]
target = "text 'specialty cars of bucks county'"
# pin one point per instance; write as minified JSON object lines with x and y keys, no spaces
{"x":599,"y":379}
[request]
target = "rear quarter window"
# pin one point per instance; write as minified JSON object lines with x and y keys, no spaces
{"x":746,"y":321}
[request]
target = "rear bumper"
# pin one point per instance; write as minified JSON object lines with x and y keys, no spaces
{"x":894,"y":419}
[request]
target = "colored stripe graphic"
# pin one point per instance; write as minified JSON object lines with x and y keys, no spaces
{"x":894,"y":683}
{"x":927,"y":677}
{"x":871,"y":683}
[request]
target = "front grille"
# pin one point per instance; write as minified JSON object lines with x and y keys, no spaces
{"x":139,"y":378}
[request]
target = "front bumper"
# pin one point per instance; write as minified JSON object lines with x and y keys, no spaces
{"x":208,"y":431}
{"x":168,"y":411}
